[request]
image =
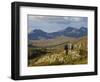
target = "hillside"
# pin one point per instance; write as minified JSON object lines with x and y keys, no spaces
{"x":52,"y":52}
{"x":51,"y":42}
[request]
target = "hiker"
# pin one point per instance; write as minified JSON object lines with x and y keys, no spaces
{"x":66,"y":48}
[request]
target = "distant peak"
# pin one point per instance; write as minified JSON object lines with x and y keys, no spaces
{"x":37,"y":30}
{"x":83,"y":28}
{"x":70,"y":28}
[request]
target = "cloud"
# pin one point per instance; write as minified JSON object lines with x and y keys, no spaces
{"x":55,"y":23}
{"x":76,"y":19}
{"x":73,"y":19}
{"x":31,"y":17}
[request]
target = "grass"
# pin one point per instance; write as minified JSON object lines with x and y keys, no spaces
{"x":60,"y":58}
{"x":56,"y":55}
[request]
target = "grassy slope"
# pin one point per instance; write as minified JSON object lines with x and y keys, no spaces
{"x":50,"y":42}
{"x":59,"y":57}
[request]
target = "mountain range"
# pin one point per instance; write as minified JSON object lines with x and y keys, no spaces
{"x":38,"y":34}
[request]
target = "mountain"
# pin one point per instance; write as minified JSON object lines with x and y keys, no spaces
{"x":38,"y":34}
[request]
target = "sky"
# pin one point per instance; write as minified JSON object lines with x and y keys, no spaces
{"x":55,"y":23}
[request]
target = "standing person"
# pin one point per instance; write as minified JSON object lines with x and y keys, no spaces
{"x":66,"y":48}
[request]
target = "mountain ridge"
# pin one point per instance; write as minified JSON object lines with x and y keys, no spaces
{"x":38,"y":34}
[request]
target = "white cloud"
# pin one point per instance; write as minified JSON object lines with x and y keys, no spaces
{"x":31,"y":17}
{"x":66,"y":18}
{"x":76,"y":19}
